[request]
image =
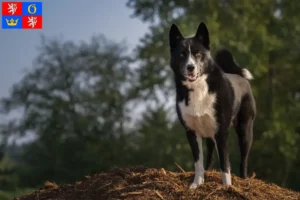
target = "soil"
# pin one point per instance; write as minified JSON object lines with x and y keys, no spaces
{"x":141,"y":183}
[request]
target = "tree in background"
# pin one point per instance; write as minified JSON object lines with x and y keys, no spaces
{"x":74,"y":102}
{"x":91,"y":106}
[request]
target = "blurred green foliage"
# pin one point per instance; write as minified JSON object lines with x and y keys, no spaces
{"x":94,"y":105}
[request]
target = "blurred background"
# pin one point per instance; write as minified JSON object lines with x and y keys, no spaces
{"x":93,"y":89}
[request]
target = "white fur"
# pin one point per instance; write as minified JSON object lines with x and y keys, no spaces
{"x":226,"y":178}
{"x":191,"y":60}
{"x":247,"y":74}
{"x":199,"y":115}
{"x":199,"y":167}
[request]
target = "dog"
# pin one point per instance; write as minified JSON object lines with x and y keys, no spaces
{"x":212,"y":95}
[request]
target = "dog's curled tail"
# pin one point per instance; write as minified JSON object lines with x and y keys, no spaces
{"x":226,"y":61}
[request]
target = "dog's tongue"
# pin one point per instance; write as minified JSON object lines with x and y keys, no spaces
{"x":191,"y":75}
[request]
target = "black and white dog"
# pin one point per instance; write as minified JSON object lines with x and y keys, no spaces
{"x":211,"y":96}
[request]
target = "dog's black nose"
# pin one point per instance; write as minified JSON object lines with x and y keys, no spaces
{"x":190,"y":68}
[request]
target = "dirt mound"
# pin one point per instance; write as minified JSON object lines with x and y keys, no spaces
{"x":142,"y":183}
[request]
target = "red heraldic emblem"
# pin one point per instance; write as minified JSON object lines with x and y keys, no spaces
{"x":11,"y":8}
{"x":32,"y":22}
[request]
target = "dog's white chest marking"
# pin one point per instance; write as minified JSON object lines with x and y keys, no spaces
{"x":199,"y":114}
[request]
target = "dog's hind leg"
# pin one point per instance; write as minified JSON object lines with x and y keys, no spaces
{"x":197,"y":150}
{"x":244,"y":130}
{"x":210,"y":144}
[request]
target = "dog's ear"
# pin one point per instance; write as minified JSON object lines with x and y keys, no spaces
{"x":202,"y":35}
{"x":174,"y":36}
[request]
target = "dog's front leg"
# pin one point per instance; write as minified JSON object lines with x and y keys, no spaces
{"x":197,"y":150}
{"x":222,"y":145}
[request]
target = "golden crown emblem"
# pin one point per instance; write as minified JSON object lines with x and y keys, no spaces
{"x":12,"y":22}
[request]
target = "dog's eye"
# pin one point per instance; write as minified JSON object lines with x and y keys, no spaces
{"x":182,"y":54}
{"x":198,"y":54}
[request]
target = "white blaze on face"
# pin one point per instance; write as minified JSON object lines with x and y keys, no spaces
{"x":199,"y":167}
{"x":191,"y":60}
{"x":199,"y":66}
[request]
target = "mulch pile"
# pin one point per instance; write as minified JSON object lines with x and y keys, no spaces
{"x":142,"y":183}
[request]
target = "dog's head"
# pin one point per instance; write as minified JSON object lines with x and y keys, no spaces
{"x":189,"y":56}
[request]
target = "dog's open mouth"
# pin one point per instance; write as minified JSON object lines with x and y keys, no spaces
{"x":191,"y":77}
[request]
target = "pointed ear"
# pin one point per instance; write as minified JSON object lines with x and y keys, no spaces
{"x":174,"y":36}
{"x":202,"y":35}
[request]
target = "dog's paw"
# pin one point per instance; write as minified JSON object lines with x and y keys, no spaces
{"x":198,"y":180}
{"x":226,"y":179}
{"x":193,"y":186}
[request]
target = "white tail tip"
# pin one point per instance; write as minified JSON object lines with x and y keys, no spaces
{"x":247,"y":74}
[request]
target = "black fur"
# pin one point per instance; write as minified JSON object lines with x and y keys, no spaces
{"x":226,"y":61}
{"x":235,"y":104}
